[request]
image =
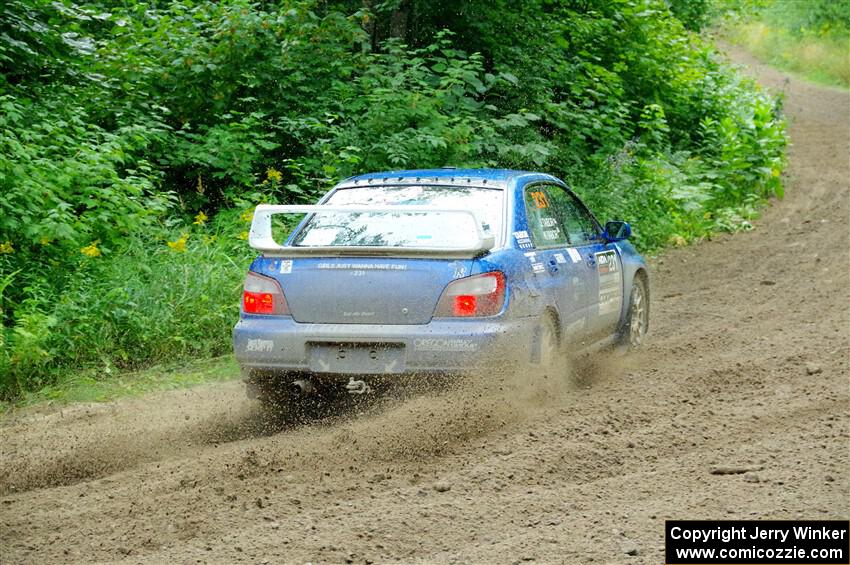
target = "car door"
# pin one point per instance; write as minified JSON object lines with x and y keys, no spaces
{"x":558,"y":268}
{"x":602,"y":262}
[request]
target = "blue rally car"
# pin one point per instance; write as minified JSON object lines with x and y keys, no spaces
{"x":433,"y":272}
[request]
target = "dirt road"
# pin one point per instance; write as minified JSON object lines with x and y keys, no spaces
{"x":747,"y":366}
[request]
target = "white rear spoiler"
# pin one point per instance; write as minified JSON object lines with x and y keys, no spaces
{"x":261,"y":239}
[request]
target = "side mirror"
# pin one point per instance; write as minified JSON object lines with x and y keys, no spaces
{"x":617,"y":231}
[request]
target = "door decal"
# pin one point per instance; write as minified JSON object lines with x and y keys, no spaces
{"x":610,"y":283}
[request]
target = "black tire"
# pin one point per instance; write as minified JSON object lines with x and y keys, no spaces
{"x":548,"y":345}
{"x":636,"y":324}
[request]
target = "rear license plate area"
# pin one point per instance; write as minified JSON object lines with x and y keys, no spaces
{"x":374,"y":358}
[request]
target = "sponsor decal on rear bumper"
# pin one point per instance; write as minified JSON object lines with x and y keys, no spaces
{"x":444,"y":344}
{"x":260,"y":345}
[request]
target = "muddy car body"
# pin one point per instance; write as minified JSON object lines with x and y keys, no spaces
{"x":434,"y":271}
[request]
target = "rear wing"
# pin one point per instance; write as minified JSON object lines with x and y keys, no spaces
{"x":261,"y":239}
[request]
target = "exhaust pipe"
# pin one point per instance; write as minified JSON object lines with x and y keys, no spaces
{"x":302,"y":387}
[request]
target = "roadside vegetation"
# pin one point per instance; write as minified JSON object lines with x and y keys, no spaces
{"x":94,"y":384}
{"x":811,"y":38}
{"x":135,"y":140}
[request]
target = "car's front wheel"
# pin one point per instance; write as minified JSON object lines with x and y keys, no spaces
{"x":636,"y":325}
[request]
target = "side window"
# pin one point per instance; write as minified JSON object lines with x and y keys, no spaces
{"x":542,"y":213}
{"x":578,"y":223}
{"x":557,"y":219}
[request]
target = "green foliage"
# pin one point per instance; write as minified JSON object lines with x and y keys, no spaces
{"x":149,"y":303}
{"x":120,"y":122}
{"x":811,"y":38}
{"x":67,"y":181}
{"x":40,"y":40}
{"x":415,"y":109}
{"x":694,"y":14}
{"x":822,"y":17}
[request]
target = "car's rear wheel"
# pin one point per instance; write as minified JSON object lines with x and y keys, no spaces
{"x":548,"y":344}
{"x":634,"y":329}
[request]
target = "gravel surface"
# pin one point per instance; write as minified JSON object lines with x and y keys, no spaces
{"x":736,"y":408}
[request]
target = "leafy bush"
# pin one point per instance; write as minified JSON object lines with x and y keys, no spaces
{"x":810,"y":38}
{"x":416,"y":109}
{"x":124,"y":126}
{"x":67,"y":182}
{"x":153,"y":301}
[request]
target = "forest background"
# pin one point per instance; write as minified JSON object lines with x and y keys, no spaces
{"x":135,"y":139}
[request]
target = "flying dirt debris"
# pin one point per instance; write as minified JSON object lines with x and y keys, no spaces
{"x":431,"y":273}
{"x":574,"y":470}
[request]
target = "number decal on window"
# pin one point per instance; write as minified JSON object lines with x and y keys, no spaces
{"x":540,"y":199}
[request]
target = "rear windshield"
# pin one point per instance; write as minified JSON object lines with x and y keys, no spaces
{"x":405,"y":229}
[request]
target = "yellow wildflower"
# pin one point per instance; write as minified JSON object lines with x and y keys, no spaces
{"x":200,"y":219}
{"x":243,"y":235}
{"x":179,"y":244}
{"x":210,"y":238}
{"x":247,"y":215}
{"x":91,"y":250}
{"x":274,"y":175}
{"x":44,"y":240}
{"x":678,"y":240}
{"x":6,"y":248}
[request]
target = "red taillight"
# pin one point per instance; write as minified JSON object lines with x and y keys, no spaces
{"x":258,"y":302}
{"x":481,"y":295}
{"x":263,"y":295}
{"x":464,"y":305}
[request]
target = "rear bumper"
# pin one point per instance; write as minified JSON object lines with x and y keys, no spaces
{"x":281,"y":344}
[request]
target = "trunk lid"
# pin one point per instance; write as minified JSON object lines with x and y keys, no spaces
{"x":363,"y":290}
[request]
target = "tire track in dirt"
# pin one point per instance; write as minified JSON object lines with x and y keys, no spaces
{"x":747,"y":365}
{"x":92,"y":441}
{"x":86,"y":441}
